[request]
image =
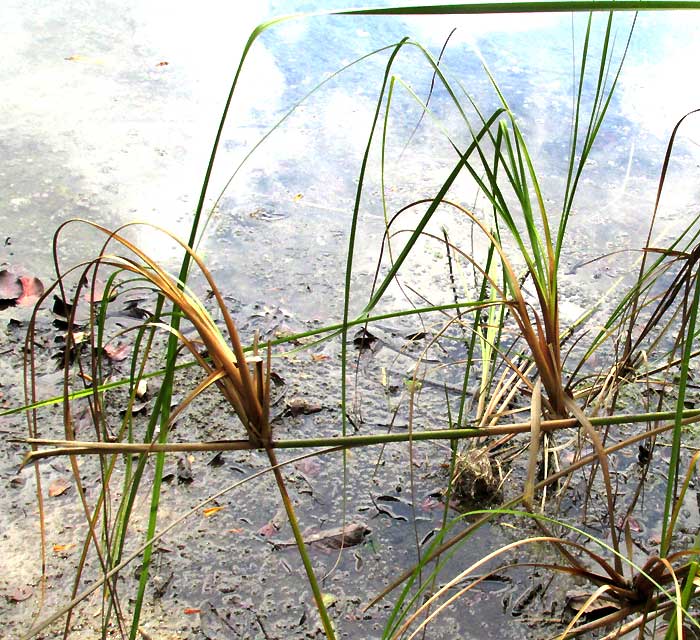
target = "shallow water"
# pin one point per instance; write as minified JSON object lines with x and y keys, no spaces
{"x":96,"y":124}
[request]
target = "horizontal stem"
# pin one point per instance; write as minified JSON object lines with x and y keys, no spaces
{"x":75,"y":447}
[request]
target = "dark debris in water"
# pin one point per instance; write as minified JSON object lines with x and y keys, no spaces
{"x":363,"y":339}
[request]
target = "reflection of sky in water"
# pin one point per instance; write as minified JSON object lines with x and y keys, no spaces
{"x":112,"y":135}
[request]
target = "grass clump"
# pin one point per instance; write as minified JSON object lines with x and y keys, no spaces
{"x":512,"y":353}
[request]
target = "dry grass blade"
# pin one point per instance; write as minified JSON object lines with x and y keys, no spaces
{"x":248,"y":392}
{"x":236,"y":382}
{"x":603,"y":461}
{"x":588,"y":603}
{"x":536,"y":420}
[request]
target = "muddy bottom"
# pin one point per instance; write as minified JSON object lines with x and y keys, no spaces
{"x":229,"y":571}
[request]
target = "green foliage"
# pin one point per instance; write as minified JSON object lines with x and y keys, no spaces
{"x":525,"y":243}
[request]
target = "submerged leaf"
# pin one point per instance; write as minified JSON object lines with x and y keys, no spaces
{"x":62,"y":548}
{"x":351,"y":534}
{"x":363,"y":339}
{"x":10,"y":286}
{"x":329,"y":599}
{"x":301,"y":406}
{"x":96,"y":293}
{"x":308,"y":466}
{"x":32,"y":290}
{"x":21,"y":593}
{"x":22,"y":291}
{"x":117,"y":353}
{"x":267,"y":530}
{"x":58,"y":487}
{"x":576,"y":599}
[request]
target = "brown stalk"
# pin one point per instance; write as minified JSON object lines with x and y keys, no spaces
{"x":248,"y":393}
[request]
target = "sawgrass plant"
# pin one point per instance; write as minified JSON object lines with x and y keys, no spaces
{"x":512,"y":338}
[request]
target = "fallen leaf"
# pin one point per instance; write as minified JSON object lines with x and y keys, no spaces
{"x":32,"y":290}
{"x":21,"y":593}
{"x":629,"y":521}
{"x":82,"y":419}
{"x":61,"y":548}
{"x":301,"y":406}
{"x":298,"y":197}
{"x":351,"y":534}
{"x":58,"y":487}
{"x":10,"y":286}
{"x":309,"y":466}
{"x":211,"y":511}
{"x":318,"y":357}
{"x":575,"y":600}
{"x":163,"y":63}
{"x":23,"y":291}
{"x":363,"y":339}
{"x":329,"y":599}
{"x":235,"y":530}
{"x":267,"y":530}
{"x":117,"y":353}
{"x":188,"y":611}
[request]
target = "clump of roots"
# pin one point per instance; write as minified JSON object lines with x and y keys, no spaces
{"x":477,"y":478}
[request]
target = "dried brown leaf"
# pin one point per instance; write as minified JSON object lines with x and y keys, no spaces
{"x":58,"y":487}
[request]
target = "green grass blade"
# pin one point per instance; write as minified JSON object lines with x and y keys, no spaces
{"x":671,"y":482}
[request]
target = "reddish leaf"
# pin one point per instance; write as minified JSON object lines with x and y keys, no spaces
{"x":632,"y":522}
{"x":189,"y":611}
{"x":10,"y":286}
{"x":32,"y":290}
{"x":309,"y":466}
{"x":58,"y":487}
{"x":21,"y":593}
{"x":429,"y":503}
{"x":268,"y":530}
{"x":117,"y":353}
